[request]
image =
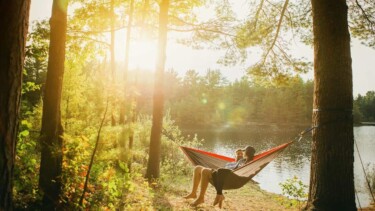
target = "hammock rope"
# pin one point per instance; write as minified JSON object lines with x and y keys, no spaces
{"x":359,"y":203}
{"x":364,"y":171}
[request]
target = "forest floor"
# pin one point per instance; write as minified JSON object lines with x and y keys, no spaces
{"x":168,"y":195}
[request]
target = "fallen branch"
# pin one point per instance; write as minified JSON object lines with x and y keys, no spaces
{"x":92,"y":156}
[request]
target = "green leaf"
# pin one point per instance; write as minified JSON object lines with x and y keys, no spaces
{"x":24,"y":133}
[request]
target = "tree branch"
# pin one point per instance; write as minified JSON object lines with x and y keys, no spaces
{"x":285,"y":55}
{"x":89,"y":38}
{"x":99,"y":31}
{"x":257,"y":14}
{"x":201,"y":26}
{"x":202,"y":29}
{"x":92,"y":156}
{"x":372,"y":23}
{"x":277,"y":31}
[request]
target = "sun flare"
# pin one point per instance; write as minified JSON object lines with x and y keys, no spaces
{"x":142,"y":54}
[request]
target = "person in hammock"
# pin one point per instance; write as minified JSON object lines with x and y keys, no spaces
{"x":219,"y":179}
{"x":238,"y":160}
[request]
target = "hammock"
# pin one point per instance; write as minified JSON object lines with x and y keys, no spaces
{"x":215,"y":161}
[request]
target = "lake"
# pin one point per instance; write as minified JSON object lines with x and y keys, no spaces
{"x":295,"y":160}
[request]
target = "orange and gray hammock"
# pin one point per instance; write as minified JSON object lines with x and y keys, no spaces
{"x":215,"y":161}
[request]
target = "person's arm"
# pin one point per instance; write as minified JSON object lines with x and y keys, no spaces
{"x":230,"y":165}
{"x":239,"y":163}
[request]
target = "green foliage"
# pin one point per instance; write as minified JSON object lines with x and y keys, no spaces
{"x":172,"y":160}
{"x":362,"y":21}
{"x":111,"y":185}
{"x":211,"y":100}
{"x":35,"y":63}
{"x":364,"y":108}
{"x":25,"y":192}
{"x":29,"y":87}
{"x":294,"y":188}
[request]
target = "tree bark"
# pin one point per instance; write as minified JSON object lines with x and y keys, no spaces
{"x":51,"y":133}
{"x":14,"y":20}
{"x":331,"y":179}
{"x":153,"y":165}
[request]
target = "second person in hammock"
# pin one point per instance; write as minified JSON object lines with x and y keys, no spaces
{"x":220,"y":178}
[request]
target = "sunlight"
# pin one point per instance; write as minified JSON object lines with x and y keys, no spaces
{"x":142,"y":54}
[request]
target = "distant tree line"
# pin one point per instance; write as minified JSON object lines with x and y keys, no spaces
{"x":211,"y":100}
{"x":364,"y":107}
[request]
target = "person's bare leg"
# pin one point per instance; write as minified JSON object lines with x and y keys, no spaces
{"x":196,"y":180}
{"x":206,"y":176}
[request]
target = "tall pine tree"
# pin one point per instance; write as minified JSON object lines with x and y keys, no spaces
{"x":14,"y":18}
{"x":52,"y":131}
{"x":153,"y":165}
{"x":332,"y":179}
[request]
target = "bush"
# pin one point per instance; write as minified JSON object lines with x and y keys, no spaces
{"x":294,"y":189}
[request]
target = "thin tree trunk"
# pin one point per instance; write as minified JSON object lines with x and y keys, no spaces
{"x":153,"y":165}
{"x":112,"y":48}
{"x":134,"y":113}
{"x":14,"y":19}
{"x":113,"y":63}
{"x":52,"y":130}
{"x":67,"y":113}
{"x":127,"y":50}
{"x":331,"y":179}
{"x":126,"y":65}
{"x":93,"y":156}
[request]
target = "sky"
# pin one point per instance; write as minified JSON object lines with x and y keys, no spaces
{"x":182,"y":58}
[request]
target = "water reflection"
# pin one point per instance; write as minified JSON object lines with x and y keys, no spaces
{"x":295,"y":160}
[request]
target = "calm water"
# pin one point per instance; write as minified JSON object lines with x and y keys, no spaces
{"x":295,"y":160}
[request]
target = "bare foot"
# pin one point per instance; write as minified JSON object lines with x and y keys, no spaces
{"x":219,"y":200}
{"x":190,"y":196}
{"x":197,"y":202}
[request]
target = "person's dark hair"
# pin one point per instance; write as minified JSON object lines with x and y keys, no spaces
{"x":249,"y":152}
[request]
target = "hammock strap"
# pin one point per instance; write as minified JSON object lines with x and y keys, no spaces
{"x":364,"y":171}
{"x":359,"y":203}
{"x":344,"y":110}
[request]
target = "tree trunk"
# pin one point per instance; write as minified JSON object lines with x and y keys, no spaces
{"x":331,"y":179}
{"x":14,"y":19}
{"x":52,"y":131}
{"x":112,"y":48}
{"x":113,"y":63}
{"x":126,"y":65}
{"x":153,"y":165}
